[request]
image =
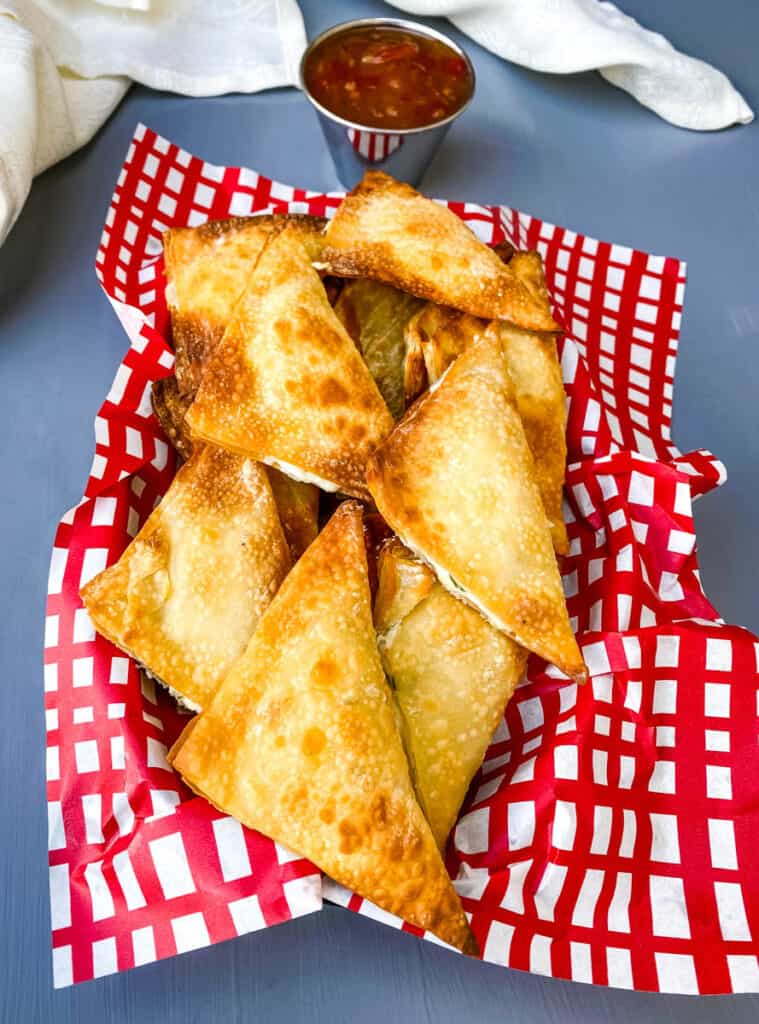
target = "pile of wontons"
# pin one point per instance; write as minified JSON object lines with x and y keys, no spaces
{"x":349,"y":680}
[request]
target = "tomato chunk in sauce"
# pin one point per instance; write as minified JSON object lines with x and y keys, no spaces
{"x":387,"y":77}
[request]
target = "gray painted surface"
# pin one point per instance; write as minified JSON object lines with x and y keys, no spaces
{"x":572,"y":150}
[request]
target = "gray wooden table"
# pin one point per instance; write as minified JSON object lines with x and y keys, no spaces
{"x":576,"y":152}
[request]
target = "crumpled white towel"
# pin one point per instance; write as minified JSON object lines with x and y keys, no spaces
{"x":66,"y":64}
{"x":562,"y":36}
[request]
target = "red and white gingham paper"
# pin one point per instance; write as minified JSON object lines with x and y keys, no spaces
{"x":610,"y":834}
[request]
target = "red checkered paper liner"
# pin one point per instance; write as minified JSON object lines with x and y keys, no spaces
{"x":609,"y":835}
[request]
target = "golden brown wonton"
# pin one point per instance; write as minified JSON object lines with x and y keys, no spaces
{"x":375,"y":315}
{"x":186,"y":595}
{"x":452,"y":673}
{"x":207,"y":268}
{"x":300,"y":741}
{"x":286,"y":384}
{"x":387,"y":231}
{"x":455,"y":480}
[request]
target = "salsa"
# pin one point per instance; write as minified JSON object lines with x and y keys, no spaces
{"x":384,"y":77}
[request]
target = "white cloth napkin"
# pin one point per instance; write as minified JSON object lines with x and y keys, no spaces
{"x":562,"y":36}
{"x":66,"y":64}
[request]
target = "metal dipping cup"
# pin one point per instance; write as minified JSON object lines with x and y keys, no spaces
{"x":356,"y":148}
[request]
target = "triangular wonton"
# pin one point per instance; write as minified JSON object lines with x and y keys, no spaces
{"x":186,"y":595}
{"x":387,"y":231}
{"x":300,"y":741}
{"x":453,"y":674}
{"x":286,"y":384}
{"x":456,"y":481}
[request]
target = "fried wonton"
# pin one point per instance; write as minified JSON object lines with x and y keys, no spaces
{"x":456,"y":481}
{"x":286,"y":385}
{"x":186,"y":595}
{"x":171,"y":408}
{"x":453,"y":675}
{"x":441,"y":334}
{"x":387,"y":231}
{"x":300,"y":741}
{"x":403,"y":581}
{"x":298,"y":507}
{"x":434,"y":337}
{"x":375,"y":316}
{"x":527,"y":266}
{"x":207,"y":268}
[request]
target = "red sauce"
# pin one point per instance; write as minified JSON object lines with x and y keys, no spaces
{"x":387,"y":77}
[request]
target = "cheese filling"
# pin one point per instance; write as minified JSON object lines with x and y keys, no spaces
{"x":301,"y":475}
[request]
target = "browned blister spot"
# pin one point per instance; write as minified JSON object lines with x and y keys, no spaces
{"x":324,"y":671}
{"x":350,"y":837}
{"x":327,"y":813}
{"x":332,"y":392}
{"x":298,"y":799}
{"x":379,"y":810}
{"x":313,"y":741}
{"x":274,"y":714}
